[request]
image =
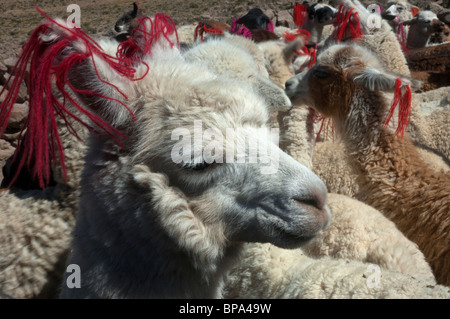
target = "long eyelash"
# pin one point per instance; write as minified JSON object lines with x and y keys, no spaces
{"x":195,"y":166}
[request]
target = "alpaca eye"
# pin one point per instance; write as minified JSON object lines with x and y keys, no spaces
{"x":195,"y":166}
{"x":399,"y":9}
{"x":321,"y":74}
{"x":200,"y":166}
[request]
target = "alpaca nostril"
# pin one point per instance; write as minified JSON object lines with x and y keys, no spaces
{"x":317,"y":199}
{"x":311,"y":202}
{"x":289,"y":85}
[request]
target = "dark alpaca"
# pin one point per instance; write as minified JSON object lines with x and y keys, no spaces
{"x":260,"y":35}
{"x":125,"y":25}
{"x":255,"y":19}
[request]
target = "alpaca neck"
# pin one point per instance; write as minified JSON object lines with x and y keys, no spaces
{"x":394,"y":26}
{"x":314,"y":29}
{"x":363,"y":129}
{"x":416,"y":39}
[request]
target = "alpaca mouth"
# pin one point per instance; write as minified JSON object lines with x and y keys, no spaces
{"x":296,"y":228}
{"x":388,"y":17}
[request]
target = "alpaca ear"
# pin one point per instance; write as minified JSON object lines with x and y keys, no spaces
{"x":414,"y":11}
{"x":372,"y":79}
{"x":311,"y":11}
{"x":274,"y":96}
{"x":135,"y":10}
{"x":103,"y":87}
{"x":291,"y":49}
{"x":52,"y":54}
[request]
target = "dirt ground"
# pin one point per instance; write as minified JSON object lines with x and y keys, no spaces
{"x":19,"y":17}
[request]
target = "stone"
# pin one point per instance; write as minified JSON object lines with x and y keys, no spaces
{"x":6,"y":150}
{"x":18,"y":115}
{"x":23,"y":92}
{"x":285,"y":19}
{"x":3,"y":95}
{"x":9,"y":63}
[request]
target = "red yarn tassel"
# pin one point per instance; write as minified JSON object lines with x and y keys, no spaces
{"x":401,"y":37}
{"x":343,"y":24}
{"x":241,"y":30}
{"x":289,"y":37}
{"x":270,"y":27}
{"x":50,"y":55}
{"x":313,"y":57}
{"x":404,"y":112}
{"x":300,"y":13}
{"x":212,"y":30}
{"x":198,"y":32}
{"x":245,"y":32}
{"x":145,"y":36}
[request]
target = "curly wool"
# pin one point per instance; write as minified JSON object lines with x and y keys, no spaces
{"x":266,"y":271}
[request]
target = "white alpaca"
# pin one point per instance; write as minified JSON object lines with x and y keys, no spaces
{"x":266,"y":271}
{"x":397,"y":11}
{"x":225,"y":57}
{"x":150,"y":227}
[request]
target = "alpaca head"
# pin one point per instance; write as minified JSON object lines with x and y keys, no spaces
{"x":341,"y":70}
{"x":254,"y":19}
{"x":424,"y":24}
{"x":398,"y":10}
{"x":279,"y":57}
{"x":221,"y":55}
{"x":206,"y":134}
{"x":321,"y":14}
{"x":375,"y":9}
{"x":128,"y":21}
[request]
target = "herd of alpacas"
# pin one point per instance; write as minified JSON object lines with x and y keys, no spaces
{"x":349,"y":198}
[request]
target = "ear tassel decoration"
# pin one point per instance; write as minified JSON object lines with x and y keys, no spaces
{"x":270,"y":27}
{"x":289,"y":37}
{"x":241,"y":30}
{"x":402,"y":97}
{"x":201,"y":28}
{"x":143,"y":37}
{"x":50,"y":53}
{"x":300,"y":13}
{"x":347,"y":21}
{"x":324,"y":123}
{"x":313,"y":57}
{"x":401,"y":37}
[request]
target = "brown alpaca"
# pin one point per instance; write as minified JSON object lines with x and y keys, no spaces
{"x":261,"y":35}
{"x":346,"y":85}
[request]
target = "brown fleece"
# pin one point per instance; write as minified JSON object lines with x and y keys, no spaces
{"x":392,"y":178}
{"x":397,"y":182}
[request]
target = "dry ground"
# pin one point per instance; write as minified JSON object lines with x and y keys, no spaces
{"x":19,"y":17}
